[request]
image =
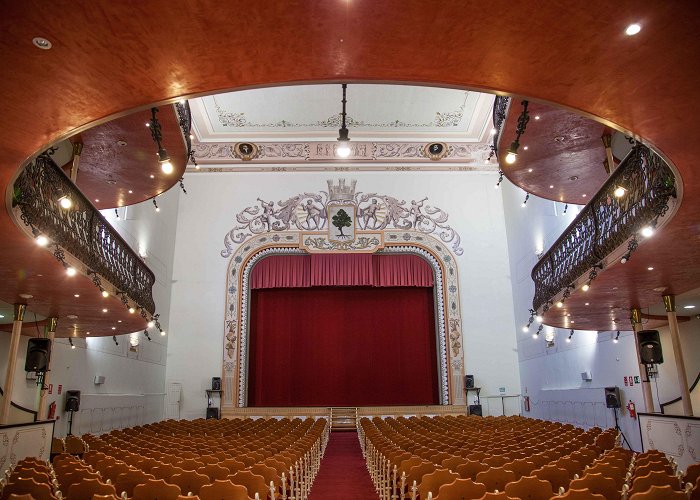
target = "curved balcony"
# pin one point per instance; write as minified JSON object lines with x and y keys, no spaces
{"x":81,"y":231}
{"x":604,"y":225}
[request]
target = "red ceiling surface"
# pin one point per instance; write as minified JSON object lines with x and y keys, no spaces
{"x":109,"y":58}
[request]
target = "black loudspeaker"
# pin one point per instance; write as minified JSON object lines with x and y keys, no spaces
{"x":650,"y":347}
{"x":469,"y":381}
{"x":216,"y":383}
{"x":38,"y":355}
{"x":475,"y":410}
{"x":72,"y":400}
{"x":612,"y":397}
{"x":213,"y":413}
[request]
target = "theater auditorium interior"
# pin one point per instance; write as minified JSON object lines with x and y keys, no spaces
{"x":349,"y":249}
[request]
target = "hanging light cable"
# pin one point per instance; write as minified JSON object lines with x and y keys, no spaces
{"x":343,"y":149}
{"x":157,"y":136}
{"x":512,"y":151}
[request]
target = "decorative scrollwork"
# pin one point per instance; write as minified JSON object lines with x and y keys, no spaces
{"x":607,"y":222}
{"x":184,"y":118}
{"x":500,"y":111}
{"x":80,"y":230}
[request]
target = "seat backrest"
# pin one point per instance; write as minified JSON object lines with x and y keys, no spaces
{"x":452,"y":463}
{"x":233,"y":465}
{"x":461,"y":489}
{"x":127,"y":481}
{"x":665,"y":492}
{"x":529,"y":488}
{"x":521,"y":467}
{"x":222,"y":490}
{"x":269,"y":474}
{"x":692,"y":473}
{"x":432,"y":481}
{"x":156,"y":488}
{"x":495,"y":478}
{"x":597,"y":483}
{"x":583,"y":494}
{"x":252,"y":482}
{"x":655,"y":478}
{"x":470,"y":468}
{"x":22,"y":486}
{"x":214,"y":472}
{"x":189,"y":481}
{"x":89,"y":487}
{"x":557,"y":477}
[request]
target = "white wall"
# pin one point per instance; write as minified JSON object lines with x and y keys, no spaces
{"x":551,"y":377}
{"x":134,"y":380}
{"x":667,"y":381}
{"x":207,"y":213}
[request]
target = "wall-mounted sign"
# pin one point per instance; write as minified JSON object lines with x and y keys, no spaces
{"x":626,"y":383}
{"x":636,"y":379}
{"x":60,"y":389}
{"x":50,"y":388}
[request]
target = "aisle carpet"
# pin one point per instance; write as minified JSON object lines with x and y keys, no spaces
{"x":343,"y":474}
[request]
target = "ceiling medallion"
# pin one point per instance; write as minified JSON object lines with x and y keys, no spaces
{"x":435,"y":150}
{"x":246,"y":151}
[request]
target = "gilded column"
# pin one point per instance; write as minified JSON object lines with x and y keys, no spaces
{"x":41,"y":412}
{"x":12,"y":362}
{"x":646,"y":386}
{"x":670,"y":304}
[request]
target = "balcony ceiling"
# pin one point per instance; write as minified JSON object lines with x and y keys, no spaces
{"x":560,"y":156}
{"x":114,"y":57}
{"x":120,"y":156}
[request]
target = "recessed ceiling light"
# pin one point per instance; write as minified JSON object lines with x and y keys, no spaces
{"x":114,"y":328}
{"x":119,"y":321}
{"x":647,"y":231}
{"x":660,"y":289}
{"x":70,"y":271}
{"x":689,"y":307}
{"x":42,"y":43}
{"x":87,"y":333}
{"x":633,"y":29}
{"x":72,"y":316}
{"x":97,"y":200}
{"x":526,"y":148}
{"x":42,"y":240}
{"x":529,"y":170}
{"x":130,"y":191}
{"x":76,"y":295}
{"x":121,"y":142}
{"x":104,"y":310}
{"x":588,"y":303}
{"x":650,"y":268}
{"x":583,"y":195}
{"x":2,"y":315}
{"x":152,"y":176}
{"x":26,"y":296}
{"x":537,"y":117}
{"x":551,"y":186}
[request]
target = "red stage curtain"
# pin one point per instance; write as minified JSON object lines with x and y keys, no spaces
{"x":281,"y":271}
{"x":296,"y":271}
{"x":342,"y":346}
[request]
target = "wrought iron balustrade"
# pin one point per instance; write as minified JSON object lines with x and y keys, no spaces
{"x":184,"y":118}
{"x":500,"y":110}
{"x":80,"y":230}
{"x":607,"y":222}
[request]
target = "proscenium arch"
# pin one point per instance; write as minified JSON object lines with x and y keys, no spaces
{"x":448,"y":330}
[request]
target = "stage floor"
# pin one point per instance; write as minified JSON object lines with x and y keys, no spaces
{"x":363,"y":411}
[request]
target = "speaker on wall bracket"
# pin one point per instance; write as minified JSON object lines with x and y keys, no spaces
{"x":469,"y":381}
{"x":38,"y":355}
{"x":72,"y":400}
{"x":216,"y":383}
{"x":475,"y":410}
{"x":650,"y":347}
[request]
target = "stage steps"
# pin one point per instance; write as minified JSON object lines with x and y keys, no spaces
{"x":343,"y":419}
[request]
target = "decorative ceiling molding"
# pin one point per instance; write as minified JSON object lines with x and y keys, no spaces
{"x":442,"y":119}
{"x":303,"y":152}
{"x":346,"y":168}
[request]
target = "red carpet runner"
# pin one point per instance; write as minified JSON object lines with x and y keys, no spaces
{"x":343,"y":474}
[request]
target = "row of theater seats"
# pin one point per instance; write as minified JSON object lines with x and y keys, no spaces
{"x":205,"y":459}
{"x":468,"y":457}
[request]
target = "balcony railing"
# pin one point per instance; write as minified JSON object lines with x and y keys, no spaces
{"x":607,"y":222}
{"x":80,"y":230}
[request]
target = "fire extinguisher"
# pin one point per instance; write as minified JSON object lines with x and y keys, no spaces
{"x":632,"y":409}
{"x":52,"y":410}
{"x":526,"y":403}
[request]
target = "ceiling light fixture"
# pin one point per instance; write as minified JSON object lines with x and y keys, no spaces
{"x":537,"y":333}
{"x":165,"y":164}
{"x":566,"y":207}
{"x":631,"y":247}
{"x":647,"y":231}
{"x":571,"y":334}
{"x":560,"y":304}
{"x":512,"y":151}
{"x":70,"y":271}
{"x":527,"y":197}
{"x":116,"y":212}
{"x":65,"y":202}
{"x":156,"y":204}
{"x":500,"y":178}
{"x":114,"y":337}
{"x":132,"y":310}
{"x":343,"y":149}
{"x":633,"y":29}
{"x":617,"y":337}
{"x":70,"y":341}
{"x":42,"y":240}
{"x":619,"y":192}
{"x":689,"y":307}
{"x":105,"y":293}
{"x":145,"y":332}
{"x":104,"y":310}
{"x":151,"y":324}
{"x":41,"y":43}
